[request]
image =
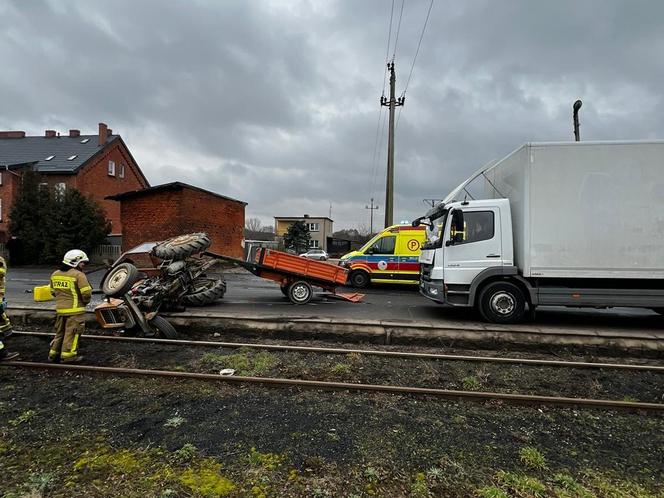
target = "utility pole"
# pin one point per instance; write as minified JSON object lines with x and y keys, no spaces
{"x":371,"y":207}
{"x":576,"y":107}
{"x":389,"y":188}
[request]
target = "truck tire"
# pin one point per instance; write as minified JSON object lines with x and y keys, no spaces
{"x":359,"y":279}
{"x":204,"y":291}
{"x":163,"y":328}
{"x":119,"y":280}
{"x":182,"y":246}
{"x":300,"y":292}
{"x":502,"y":302}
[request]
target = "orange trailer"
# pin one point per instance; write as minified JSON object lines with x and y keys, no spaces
{"x":297,"y":276}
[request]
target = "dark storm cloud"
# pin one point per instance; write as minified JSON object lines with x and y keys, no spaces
{"x":276,"y":103}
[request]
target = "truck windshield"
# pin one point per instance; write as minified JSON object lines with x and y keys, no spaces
{"x":435,"y":232}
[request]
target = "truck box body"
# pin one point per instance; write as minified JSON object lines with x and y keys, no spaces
{"x":584,"y":209}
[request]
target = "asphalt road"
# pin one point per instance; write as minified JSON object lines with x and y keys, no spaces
{"x":248,"y":294}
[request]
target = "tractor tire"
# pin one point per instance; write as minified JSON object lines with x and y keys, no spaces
{"x":359,"y":279}
{"x":205,"y":290}
{"x":182,"y":246}
{"x":300,"y":292}
{"x":119,"y":280}
{"x":163,"y":328}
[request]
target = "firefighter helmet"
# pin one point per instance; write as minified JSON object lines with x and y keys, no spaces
{"x":74,"y":257}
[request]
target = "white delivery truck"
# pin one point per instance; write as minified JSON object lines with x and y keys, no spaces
{"x":577,"y":224}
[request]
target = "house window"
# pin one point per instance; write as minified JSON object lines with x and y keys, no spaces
{"x":313,"y":227}
{"x":313,"y":244}
{"x":121,"y":172}
{"x":60,"y":189}
{"x":111,"y":168}
{"x":43,"y":186}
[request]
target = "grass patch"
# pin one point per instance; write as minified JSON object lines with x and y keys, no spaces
{"x":23,"y":418}
{"x":245,"y":363}
{"x":471,"y":383}
{"x":521,"y":484}
{"x":532,"y":458}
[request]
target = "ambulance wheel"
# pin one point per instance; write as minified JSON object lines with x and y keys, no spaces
{"x":359,"y":279}
{"x":300,"y":292}
{"x":502,"y":302}
{"x":119,"y":280}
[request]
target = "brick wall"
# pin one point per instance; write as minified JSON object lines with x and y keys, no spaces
{"x":222,"y":219}
{"x":8,"y":191}
{"x":94,"y":180}
{"x":162,"y":214}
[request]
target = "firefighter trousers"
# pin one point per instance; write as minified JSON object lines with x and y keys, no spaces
{"x":5,"y":324}
{"x":68,"y":328}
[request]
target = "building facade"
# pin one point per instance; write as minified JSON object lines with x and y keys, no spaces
{"x":164,"y":211}
{"x":320,"y":228}
{"x":97,"y":165}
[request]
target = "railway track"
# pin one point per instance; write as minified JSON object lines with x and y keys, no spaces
{"x":328,"y":385}
{"x":371,"y":352}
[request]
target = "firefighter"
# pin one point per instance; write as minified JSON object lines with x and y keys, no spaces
{"x":72,"y":292}
{"x":5,"y":324}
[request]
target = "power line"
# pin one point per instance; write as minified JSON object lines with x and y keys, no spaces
{"x":412,"y":67}
{"x":396,"y":39}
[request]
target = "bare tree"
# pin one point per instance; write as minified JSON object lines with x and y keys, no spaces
{"x":253,"y":224}
{"x":267,"y":229}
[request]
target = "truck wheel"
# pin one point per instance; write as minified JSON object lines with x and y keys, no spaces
{"x":502,"y":302}
{"x":205,"y":290}
{"x":359,"y":279}
{"x":182,"y":246}
{"x":300,"y":292}
{"x":119,"y":280}
{"x":163,"y":327}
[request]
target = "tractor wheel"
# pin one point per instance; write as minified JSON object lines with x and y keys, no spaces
{"x":163,"y":327}
{"x":119,"y":280}
{"x":205,"y":290}
{"x":182,"y":246}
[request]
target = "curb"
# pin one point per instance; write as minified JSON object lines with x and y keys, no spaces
{"x":382,"y":331}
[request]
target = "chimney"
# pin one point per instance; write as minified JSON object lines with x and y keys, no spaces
{"x":74,"y":133}
{"x":103,"y":133}
{"x":110,"y":132}
{"x":12,"y":134}
{"x":49,"y":133}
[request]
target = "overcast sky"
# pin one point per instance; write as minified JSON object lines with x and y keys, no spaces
{"x":276,"y":103}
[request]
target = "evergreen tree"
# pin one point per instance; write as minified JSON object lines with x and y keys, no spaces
{"x":297,"y":237}
{"x":46,"y":226}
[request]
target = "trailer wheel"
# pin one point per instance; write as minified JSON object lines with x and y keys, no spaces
{"x":163,"y":327}
{"x":182,"y":246}
{"x":300,"y":292}
{"x":359,"y":279}
{"x":502,"y":302}
{"x":119,"y":280}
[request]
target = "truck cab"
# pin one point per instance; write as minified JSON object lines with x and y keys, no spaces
{"x":469,"y":246}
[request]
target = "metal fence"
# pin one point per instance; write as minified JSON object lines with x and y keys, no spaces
{"x":105,"y":252}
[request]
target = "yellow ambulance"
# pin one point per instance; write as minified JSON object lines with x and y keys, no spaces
{"x":389,"y":257}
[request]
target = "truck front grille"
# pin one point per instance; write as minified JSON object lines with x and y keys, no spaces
{"x":425,"y":272}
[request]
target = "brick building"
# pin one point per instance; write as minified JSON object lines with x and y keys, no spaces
{"x":97,"y":165}
{"x":163,"y":211}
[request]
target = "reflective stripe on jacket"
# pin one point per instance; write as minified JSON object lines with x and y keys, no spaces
{"x":3,"y":271}
{"x":72,"y":291}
